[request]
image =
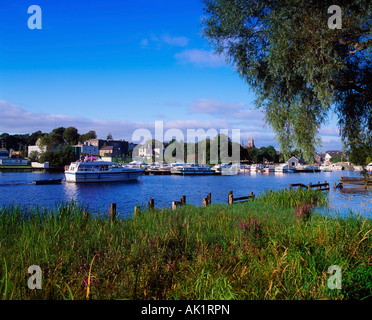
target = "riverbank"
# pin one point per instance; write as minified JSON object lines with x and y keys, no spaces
{"x":275,"y":247}
{"x":29,"y":169}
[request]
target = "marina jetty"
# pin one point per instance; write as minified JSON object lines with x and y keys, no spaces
{"x":219,"y":169}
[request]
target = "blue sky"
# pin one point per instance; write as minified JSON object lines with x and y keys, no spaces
{"x":116,"y":66}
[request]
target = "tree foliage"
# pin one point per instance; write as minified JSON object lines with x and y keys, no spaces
{"x":71,"y":135}
{"x":59,"y":158}
{"x":300,"y":70}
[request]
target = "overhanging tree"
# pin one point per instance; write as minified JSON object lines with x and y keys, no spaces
{"x":301,"y":70}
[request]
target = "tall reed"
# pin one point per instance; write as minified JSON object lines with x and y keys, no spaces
{"x":254,"y":250}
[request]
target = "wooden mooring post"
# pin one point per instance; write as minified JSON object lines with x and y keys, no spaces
{"x":113,"y":212}
{"x":209,"y":198}
{"x":183,"y":200}
{"x":320,"y":186}
{"x":175,"y":204}
{"x":231,"y":198}
{"x":151,"y":204}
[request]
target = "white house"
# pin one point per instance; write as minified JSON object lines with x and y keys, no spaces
{"x":330,"y":154}
{"x":146,"y":152}
{"x":39,"y":149}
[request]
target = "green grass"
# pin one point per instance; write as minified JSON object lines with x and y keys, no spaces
{"x":253,"y":250}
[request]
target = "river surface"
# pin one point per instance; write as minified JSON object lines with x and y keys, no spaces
{"x":17,"y":188}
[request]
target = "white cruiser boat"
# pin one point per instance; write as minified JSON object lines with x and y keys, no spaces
{"x":100,"y":171}
{"x":218,"y":167}
{"x":284,"y":167}
{"x":191,"y":169}
{"x":369,"y":167}
{"x":257,"y":167}
{"x":230,"y":170}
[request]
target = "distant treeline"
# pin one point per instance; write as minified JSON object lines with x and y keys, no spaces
{"x":58,"y":136}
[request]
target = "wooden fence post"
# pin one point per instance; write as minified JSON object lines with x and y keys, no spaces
{"x":112,"y":212}
{"x":334,"y":186}
{"x":137,"y":210}
{"x":174,"y":205}
{"x":151,"y":204}
{"x":183,"y":200}
{"x":252,"y":195}
{"x":290,"y":187}
{"x":205,"y":202}
{"x":309,"y":187}
{"x":209,"y":198}
{"x":230,"y":199}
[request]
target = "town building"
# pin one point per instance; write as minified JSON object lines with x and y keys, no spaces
{"x":331,"y":154}
{"x":295,"y":161}
{"x":85,"y":149}
{"x":12,"y":161}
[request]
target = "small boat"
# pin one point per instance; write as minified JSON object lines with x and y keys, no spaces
{"x":231,"y":170}
{"x":336,"y":166}
{"x":244,"y":168}
{"x":218,"y":167}
{"x":48,"y":181}
{"x":285,"y":168}
{"x":191,"y":169}
{"x":159,"y":170}
{"x":256,"y":167}
{"x":369,"y":167}
{"x":307,"y":168}
{"x":268,"y":169}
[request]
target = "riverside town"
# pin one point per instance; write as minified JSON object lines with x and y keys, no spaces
{"x":168,"y":154}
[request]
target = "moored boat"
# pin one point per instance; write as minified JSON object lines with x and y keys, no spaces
{"x":256,"y":167}
{"x":191,"y":169}
{"x":230,"y":170}
{"x":268,"y":169}
{"x":218,"y":167}
{"x":100,"y":171}
{"x":284,"y":167}
{"x":369,"y":167}
{"x":48,"y":181}
{"x":335,"y":166}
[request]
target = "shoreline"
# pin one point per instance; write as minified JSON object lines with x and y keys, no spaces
{"x":276,"y":247}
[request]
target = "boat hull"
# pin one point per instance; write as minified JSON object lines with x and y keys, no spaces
{"x":192,"y":172}
{"x":84,"y":177}
{"x":48,"y":181}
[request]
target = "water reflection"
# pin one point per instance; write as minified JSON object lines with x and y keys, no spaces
{"x":18,"y":188}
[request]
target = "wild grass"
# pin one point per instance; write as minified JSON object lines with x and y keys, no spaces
{"x":259,"y":249}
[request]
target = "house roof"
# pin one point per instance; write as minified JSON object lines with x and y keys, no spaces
{"x":107,"y":148}
{"x":333,"y":153}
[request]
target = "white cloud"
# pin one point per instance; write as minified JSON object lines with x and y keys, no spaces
{"x":329,"y":131}
{"x":144,"y":43}
{"x":15,"y":119}
{"x":165,"y":39}
{"x":211,"y":106}
{"x":202,"y":58}
{"x":175,"y":41}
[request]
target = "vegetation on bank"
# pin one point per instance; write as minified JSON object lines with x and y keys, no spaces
{"x":275,"y":247}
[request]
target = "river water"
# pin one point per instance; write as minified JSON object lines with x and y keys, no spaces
{"x":17,"y":188}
